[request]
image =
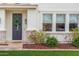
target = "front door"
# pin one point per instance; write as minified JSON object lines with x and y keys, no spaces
{"x":17,"y":26}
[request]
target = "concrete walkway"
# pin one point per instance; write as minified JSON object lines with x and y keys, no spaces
{"x":39,"y":49}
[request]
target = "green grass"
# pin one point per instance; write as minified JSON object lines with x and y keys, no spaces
{"x":39,"y":53}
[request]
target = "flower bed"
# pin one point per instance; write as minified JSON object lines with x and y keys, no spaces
{"x":42,"y":46}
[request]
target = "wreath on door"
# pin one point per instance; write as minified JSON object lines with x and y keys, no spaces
{"x":17,"y":23}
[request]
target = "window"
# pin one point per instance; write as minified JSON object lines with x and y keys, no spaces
{"x":60,"y":22}
{"x":73,"y":21}
{"x":47,"y":22}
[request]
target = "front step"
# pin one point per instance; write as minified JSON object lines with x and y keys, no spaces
{"x":11,"y":45}
{"x":15,"y":46}
{"x":3,"y":46}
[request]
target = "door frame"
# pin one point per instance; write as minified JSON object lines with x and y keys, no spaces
{"x":9,"y":24}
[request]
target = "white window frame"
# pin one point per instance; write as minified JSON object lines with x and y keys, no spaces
{"x":67,"y":13}
{"x":52,"y":21}
{"x":42,"y":20}
{"x":64,"y":22}
{"x":78,"y":20}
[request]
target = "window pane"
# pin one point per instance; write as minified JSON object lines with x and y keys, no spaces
{"x":60,"y":22}
{"x":47,"y":27}
{"x":60,"y":27}
{"x":47,"y":22}
{"x":73,"y":19}
{"x":72,"y":25}
{"x":47,"y":18}
{"x":60,"y":18}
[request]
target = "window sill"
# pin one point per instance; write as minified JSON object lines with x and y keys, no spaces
{"x":60,"y":32}
{"x":50,"y":32}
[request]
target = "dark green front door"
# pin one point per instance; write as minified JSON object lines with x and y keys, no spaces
{"x":17,"y":26}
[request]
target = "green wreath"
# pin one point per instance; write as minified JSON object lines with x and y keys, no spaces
{"x":16,"y":22}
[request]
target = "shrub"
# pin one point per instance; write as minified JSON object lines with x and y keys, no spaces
{"x":75,"y":37}
{"x":75,"y":33}
{"x":37,"y":36}
{"x":51,"y":42}
{"x":75,"y":42}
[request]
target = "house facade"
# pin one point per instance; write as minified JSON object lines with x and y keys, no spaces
{"x":56,"y":19}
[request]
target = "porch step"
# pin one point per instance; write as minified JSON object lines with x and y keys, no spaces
{"x":15,"y":46}
{"x":3,"y":46}
{"x":11,"y":45}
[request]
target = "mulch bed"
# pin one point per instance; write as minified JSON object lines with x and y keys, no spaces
{"x":42,"y":46}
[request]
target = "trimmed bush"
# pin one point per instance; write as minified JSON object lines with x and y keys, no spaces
{"x":75,"y":33}
{"x":75,"y":42}
{"x":51,"y":42}
{"x":37,"y":37}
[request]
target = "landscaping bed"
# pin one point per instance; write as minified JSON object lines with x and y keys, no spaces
{"x":42,"y":46}
{"x":42,"y":40}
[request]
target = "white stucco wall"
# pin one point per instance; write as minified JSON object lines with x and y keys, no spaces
{"x":32,"y":19}
{"x":58,"y":7}
{"x":2,"y":20}
{"x":35,"y":17}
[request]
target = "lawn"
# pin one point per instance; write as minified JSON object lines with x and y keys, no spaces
{"x":39,"y":53}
